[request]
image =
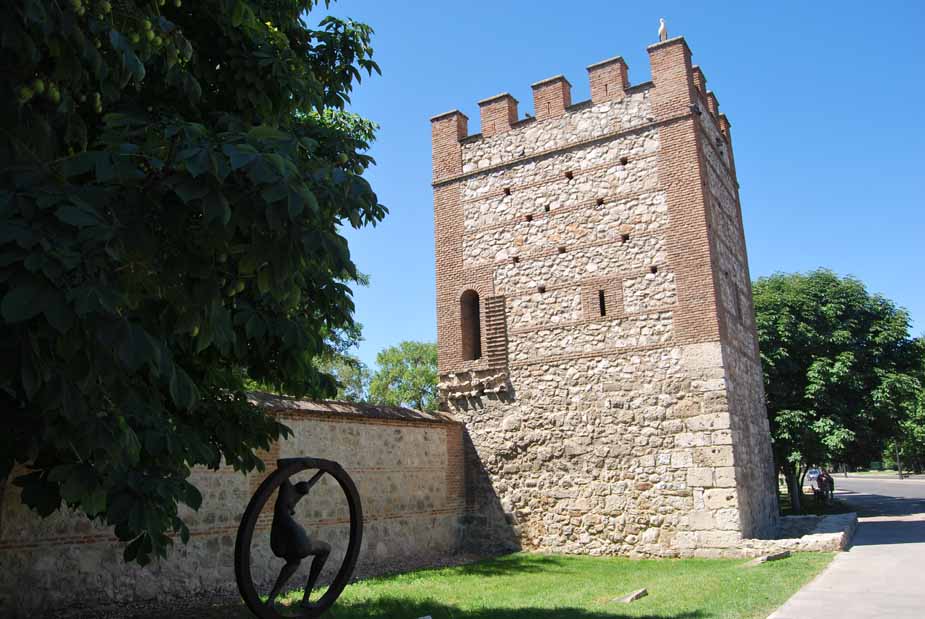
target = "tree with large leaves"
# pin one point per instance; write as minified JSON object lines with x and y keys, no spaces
{"x":840,"y":370}
{"x":406,"y":376}
{"x":173,"y":178}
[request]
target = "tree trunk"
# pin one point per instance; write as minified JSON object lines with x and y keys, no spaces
{"x":899,"y":464}
{"x":791,"y":473}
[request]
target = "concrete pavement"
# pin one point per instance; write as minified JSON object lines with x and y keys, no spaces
{"x":882,"y":575}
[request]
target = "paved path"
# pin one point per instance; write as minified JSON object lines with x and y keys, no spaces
{"x":882,"y":576}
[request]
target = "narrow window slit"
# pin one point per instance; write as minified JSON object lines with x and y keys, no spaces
{"x":546,"y":208}
{"x":601,"y":303}
{"x":470,"y":326}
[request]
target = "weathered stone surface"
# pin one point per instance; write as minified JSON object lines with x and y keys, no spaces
{"x":407,"y":466}
{"x":613,"y":232}
{"x":632,"y":597}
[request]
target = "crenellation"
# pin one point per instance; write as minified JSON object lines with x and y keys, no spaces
{"x":631,"y":415}
{"x":558,"y":132}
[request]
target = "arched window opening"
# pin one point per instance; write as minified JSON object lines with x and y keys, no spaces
{"x":471,"y":326}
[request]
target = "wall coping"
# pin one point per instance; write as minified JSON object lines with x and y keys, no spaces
{"x":346,"y":410}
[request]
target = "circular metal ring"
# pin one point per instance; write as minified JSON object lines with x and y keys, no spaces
{"x":286,"y":468}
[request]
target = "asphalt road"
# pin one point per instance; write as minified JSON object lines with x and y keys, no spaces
{"x":882,"y":496}
{"x":882,"y":575}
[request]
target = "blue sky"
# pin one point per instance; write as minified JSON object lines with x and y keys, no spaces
{"x":826,"y":101}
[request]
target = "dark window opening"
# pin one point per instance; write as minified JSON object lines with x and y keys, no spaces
{"x":600,"y":201}
{"x":624,"y":160}
{"x":470,"y":323}
{"x":625,"y":238}
{"x":569,"y":175}
{"x":541,"y":288}
{"x":653,"y":270}
{"x":516,"y":259}
{"x":601,"y":303}
{"x":546,"y":208}
{"x":529,"y":217}
{"x":507,"y":191}
{"x":561,"y":250}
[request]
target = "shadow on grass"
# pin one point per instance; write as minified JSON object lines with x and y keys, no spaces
{"x":395,"y":608}
{"x":508,"y":565}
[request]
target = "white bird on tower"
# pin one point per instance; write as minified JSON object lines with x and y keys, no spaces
{"x":662,"y":29}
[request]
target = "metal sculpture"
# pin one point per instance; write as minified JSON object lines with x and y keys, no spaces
{"x":289,"y":540}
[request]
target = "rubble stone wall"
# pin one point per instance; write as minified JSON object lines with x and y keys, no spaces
{"x":408,"y":469}
{"x":631,"y":420}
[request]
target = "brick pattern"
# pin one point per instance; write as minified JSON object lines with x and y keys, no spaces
{"x":498,"y":114}
{"x":609,"y":80}
{"x":551,"y":97}
{"x":496,"y":332}
{"x":680,"y":176}
{"x":625,"y":433}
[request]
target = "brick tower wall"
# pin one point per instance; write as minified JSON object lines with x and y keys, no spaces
{"x":639,"y":429}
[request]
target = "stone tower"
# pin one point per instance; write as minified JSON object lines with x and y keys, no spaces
{"x":595,"y":324}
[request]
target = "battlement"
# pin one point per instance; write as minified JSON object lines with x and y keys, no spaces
{"x":680,"y":88}
{"x":590,"y":258}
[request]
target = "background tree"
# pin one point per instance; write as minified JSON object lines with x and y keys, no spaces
{"x":406,"y":376}
{"x":840,"y":370}
{"x":173,"y":178}
{"x":352,"y":377}
{"x":909,"y":443}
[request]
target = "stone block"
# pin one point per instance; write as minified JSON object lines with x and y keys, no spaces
{"x":721,"y":437}
{"x":700,"y":476}
{"x":718,"y":539}
{"x":727,"y":519}
{"x":681,"y":459}
{"x":701,"y":521}
{"x":714,"y":456}
{"x":511,"y":423}
{"x":691,"y":439}
{"x":719,"y":498}
{"x":700,"y":356}
{"x":701,"y":423}
{"x":724,"y":477}
{"x":688,"y":407}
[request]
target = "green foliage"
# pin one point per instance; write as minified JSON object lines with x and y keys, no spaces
{"x":173,"y":178}
{"x":839,"y":368}
{"x":351,"y":374}
{"x":407,"y":376}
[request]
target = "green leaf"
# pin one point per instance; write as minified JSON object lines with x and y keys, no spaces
{"x":81,"y":482}
{"x":216,"y":209}
{"x":182,"y":390}
{"x":77,"y":216}
{"x":240,"y":155}
{"x":137,"y":348}
{"x":21,"y":303}
{"x":263,"y":281}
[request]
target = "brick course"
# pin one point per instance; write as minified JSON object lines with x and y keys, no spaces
{"x":627,"y":432}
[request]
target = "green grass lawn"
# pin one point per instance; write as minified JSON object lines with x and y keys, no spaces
{"x":529,"y":586}
{"x":812,"y":507}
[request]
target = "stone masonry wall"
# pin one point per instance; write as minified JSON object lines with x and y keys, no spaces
{"x":408,"y":467}
{"x":632,"y":421}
